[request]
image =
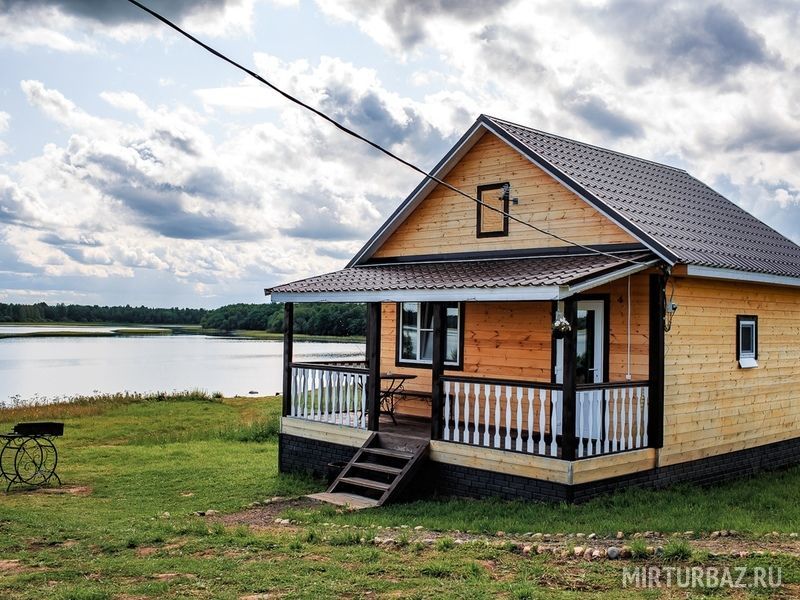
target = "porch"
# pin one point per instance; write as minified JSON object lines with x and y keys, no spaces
{"x":579,"y":397}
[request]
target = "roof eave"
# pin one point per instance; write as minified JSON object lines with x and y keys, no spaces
{"x":736,"y":275}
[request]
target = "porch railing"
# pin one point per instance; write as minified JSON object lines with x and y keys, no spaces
{"x":525,"y":416}
{"x":611,"y":417}
{"x":330,"y":393}
{"x":507,"y":415}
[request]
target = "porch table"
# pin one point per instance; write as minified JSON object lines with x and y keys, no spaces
{"x":392,"y":390}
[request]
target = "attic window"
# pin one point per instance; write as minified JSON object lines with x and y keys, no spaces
{"x":490,"y":222}
{"x":747,"y":341}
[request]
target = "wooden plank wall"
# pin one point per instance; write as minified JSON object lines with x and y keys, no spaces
{"x":445,"y":222}
{"x":513,"y":340}
{"x":711,"y":405}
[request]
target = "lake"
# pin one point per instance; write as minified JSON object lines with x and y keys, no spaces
{"x":52,"y":368}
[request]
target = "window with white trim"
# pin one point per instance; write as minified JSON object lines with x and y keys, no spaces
{"x":747,"y":341}
{"x":415,"y":330}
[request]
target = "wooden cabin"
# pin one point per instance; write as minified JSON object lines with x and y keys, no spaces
{"x":595,"y":321}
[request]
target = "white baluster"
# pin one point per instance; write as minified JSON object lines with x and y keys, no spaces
{"x":622,"y":418}
{"x":543,"y":418}
{"x":326,"y":377}
{"x":630,"y":417}
{"x":580,"y":397}
{"x":555,"y":400}
{"x":293,"y":392}
{"x":598,"y":421}
{"x":638,"y":417}
{"x":497,"y":392}
{"x":607,"y":423}
{"x":467,"y":387}
{"x":350,"y":417}
{"x":646,"y":411}
{"x":615,"y":420}
{"x":446,"y":411}
{"x":486,"y":414}
{"x":363,"y":395}
{"x":509,"y":399}
{"x":476,"y":437}
{"x":337,"y":403}
{"x":519,"y":420}
{"x":530,"y":420}
{"x":305,"y":393}
{"x":456,"y":416}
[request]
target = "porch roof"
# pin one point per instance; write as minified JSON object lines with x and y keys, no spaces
{"x":531,"y":278}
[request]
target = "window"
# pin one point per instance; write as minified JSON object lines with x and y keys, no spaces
{"x":491,"y":223}
{"x":747,"y":341}
{"x":415,"y":329}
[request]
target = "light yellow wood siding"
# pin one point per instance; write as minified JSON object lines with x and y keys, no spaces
{"x":445,"y":222}
{"x":711,"y":405}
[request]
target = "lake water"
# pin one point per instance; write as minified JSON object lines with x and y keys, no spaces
{"x":58,"y":367}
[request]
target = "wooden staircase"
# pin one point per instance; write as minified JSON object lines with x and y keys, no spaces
{"x":378,"y":472}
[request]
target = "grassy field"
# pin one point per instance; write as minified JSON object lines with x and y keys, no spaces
{"x":136,"y":468}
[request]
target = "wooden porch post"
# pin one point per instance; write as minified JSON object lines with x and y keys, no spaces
{"x":288,"y":349}
{"x":655,"y":418}
{"x":568,"y":440}
{"x":374,"y":365}
{"x":437,"y":370}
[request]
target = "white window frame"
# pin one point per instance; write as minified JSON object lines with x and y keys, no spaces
{"x":419,"y":331}
{"x":747,"y":359}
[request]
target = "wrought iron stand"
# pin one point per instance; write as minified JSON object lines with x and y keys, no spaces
{"x":28,"y":454}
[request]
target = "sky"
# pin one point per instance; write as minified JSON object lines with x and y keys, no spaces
{"x":135,"y":168}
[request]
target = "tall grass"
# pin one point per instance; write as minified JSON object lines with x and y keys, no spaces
{"x":39,"y":408}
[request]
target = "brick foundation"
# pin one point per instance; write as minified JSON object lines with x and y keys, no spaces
{"x":297,"y":454}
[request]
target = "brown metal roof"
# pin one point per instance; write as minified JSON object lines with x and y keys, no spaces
{"x":465,"y":274}
{"x":669,"y":207}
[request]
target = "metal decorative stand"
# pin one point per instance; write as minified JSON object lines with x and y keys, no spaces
{"x":28,"y":454}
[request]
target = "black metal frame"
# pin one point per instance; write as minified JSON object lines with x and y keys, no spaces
{"x":31,"y":445}
{"x":479,"y":220}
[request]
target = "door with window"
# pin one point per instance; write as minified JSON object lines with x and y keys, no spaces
{"x":590,"y":332}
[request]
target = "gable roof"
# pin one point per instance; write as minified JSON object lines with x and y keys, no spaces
{"x":678,"y":217}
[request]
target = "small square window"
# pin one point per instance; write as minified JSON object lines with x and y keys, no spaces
{"x":492,"y":217}
{"x":747,"y":341}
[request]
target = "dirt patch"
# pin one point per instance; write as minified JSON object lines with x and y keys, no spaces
{"x":173,"y":576}
{"x":72,"y":490}
{"x":15,"y":567}
{"x":263,"y":517}
{"x":146,"y":551}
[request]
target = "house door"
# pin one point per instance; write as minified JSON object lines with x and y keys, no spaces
{"x":590,"y":333}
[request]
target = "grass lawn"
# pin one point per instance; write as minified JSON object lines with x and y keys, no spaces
{"x":137,"y":468}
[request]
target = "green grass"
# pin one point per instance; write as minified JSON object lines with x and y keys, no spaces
{"x":143,"y":456}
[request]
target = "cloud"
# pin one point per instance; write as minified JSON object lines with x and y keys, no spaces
{"x":594,"y":111}
{"x":706,"y":42}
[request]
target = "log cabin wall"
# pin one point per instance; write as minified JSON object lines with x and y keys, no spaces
{"x":445,"y":222}
{"x":712,"y":406}
{"x":513,"y":340}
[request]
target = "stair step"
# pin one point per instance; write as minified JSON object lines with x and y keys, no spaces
{"x":387,"y":452}
{"x":353,"y":501}
{"x":379,"y":468}
{"x":367,"y":483}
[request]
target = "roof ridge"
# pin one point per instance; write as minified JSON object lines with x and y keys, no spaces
{"x":595,"y":147}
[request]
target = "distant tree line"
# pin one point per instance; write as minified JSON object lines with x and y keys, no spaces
{"x":312,"y":319}
{"x":79,"y":313}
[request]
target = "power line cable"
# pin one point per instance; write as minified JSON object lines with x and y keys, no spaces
{"x":369,"y":142}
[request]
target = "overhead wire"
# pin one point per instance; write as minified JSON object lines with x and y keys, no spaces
{"x":369,"y":142}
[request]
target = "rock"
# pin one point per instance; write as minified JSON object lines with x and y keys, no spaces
{"x":428,"y":541}
{"x":587,"y":555}
{"x":714,"y":534}
{"x":165,"y":515}
{"x":620,"y":535}
{"x":613,"y":552}
{"x":528,"y":534}
{"x":592,"y":536}
{"x":578,"y":551}
{"x":792,"y":535}
{"x":254,"y":504}
{"x":526,"y":550}
{"x":537,"y":536}
{"x":650,"y":550}
{"x":625,"y":552}
{"x":500,"y":534}
{"x":597,"y":553}
{"x":724,"y":533}
{"x":648,"y":534}
{"x":637,"y":535}
{"x":733,"y":533}
{"x":689,"y":534}
{"x":459,"y":542}
{"x":211,"y":512}
{"x":541,"y":549}
{"x":418,"y":528}
{"x":659,"y":551}
{"x":199,"y":513}
{"x":580,"y":536}
{"x":546,"y":537}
